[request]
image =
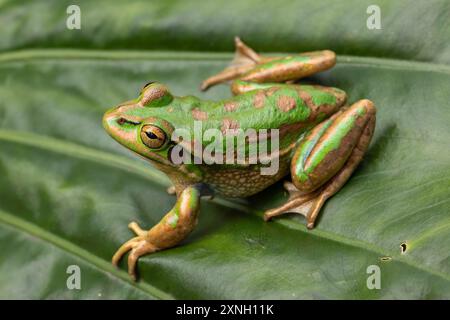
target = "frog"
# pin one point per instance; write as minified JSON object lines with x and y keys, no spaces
{"x":322,"y":140}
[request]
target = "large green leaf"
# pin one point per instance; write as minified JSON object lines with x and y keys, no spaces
{"x":409,"y":29}
{"x":67,"y":190}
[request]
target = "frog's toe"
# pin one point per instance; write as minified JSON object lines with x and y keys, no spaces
{"x":136,"y":229}
{"x":300,"y":204}
{"x":308,"y":205}
{"x":127,"y":246}
{"x":138,"y":246}
{"x":141,"y":248}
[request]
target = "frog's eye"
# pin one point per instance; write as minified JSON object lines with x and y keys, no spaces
{"x":153,"y":136}
{"x":146,"y":85}
{"x":155,"y":95}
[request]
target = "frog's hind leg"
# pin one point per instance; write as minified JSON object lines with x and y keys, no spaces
{"x":326,"y":158}
{"x":290,"y":68}
{"x":244,"y":60}
{"x":282,"y":71}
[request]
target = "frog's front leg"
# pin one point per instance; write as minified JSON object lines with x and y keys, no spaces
{"x":173,"y":228}
{"x":326,"y":158}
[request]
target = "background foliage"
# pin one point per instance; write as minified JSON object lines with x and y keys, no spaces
{"x":67,"y":190}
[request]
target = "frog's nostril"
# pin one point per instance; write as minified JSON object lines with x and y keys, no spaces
{"x":122,"y":121}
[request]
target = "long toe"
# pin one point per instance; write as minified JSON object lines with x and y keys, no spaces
{"x":127,"y":246}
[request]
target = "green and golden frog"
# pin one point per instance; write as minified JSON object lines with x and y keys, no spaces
{"x":321,"y":140}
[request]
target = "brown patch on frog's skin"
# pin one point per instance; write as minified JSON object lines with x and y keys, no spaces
{"x":198,"y":114}
{"x":324,"y":109}
{"x":259,"y":99}
{"x":229,"y":124}
{"x":286,"y":103}
{"x":230,"y":106}
{"x":271,"y":91}
{"x":307,"y":99}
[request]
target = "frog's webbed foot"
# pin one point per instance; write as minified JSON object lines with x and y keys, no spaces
{"x":245,"y":58}
{"x":298,"y":202}
{"x":308,"y":205}
{"x":138,"y":246}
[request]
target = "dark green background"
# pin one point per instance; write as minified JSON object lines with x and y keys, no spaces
{"x":68,"y":191}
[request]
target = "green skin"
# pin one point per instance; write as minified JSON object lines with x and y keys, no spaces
{"x":321,"y":141}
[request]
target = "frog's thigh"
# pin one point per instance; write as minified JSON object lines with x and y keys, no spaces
{"x":327,"y":148}
{"x":326,"y":158}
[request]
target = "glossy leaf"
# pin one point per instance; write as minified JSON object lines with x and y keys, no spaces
{"x":68,"y":191}
{"x":415,"y":30}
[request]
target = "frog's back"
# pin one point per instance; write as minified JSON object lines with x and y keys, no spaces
{"x":291,"y":109}
{"x":275,"y":107}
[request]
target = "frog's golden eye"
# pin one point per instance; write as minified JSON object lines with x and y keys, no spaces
{"x":152,"y":136}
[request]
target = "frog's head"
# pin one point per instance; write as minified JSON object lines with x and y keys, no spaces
{"x":138,"y":124}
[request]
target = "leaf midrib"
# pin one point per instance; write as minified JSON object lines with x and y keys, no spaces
{"x":129,"y":55}
{"x":122,"y":163}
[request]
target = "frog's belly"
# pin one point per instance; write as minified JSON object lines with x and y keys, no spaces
{"x":242,"y":182}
